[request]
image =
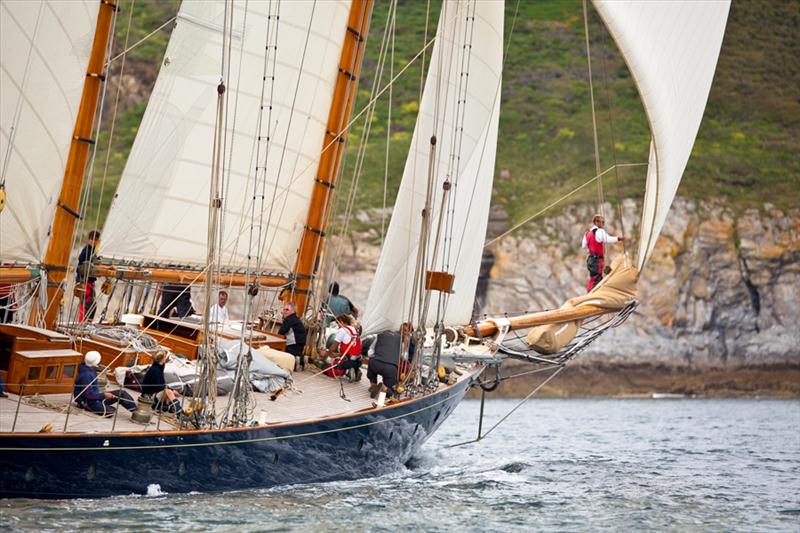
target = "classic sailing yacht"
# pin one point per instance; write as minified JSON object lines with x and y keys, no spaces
{"x":230,"y":183}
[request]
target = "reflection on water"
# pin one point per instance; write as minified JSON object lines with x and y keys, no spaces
{"x":697,"y":465}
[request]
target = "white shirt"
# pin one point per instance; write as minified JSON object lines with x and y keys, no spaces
{"x":218,"y":314}
{"x":343,"y":336}
{"x":600,"y":236}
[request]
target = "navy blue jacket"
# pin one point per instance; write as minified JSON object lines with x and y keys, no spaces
{"x":86,"y":378}
{"x":153,"y":381}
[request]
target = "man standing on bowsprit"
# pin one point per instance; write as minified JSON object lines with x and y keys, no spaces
{"x":595,"y":241}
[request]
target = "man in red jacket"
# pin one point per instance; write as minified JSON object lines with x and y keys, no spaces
{"x":595,"y":241}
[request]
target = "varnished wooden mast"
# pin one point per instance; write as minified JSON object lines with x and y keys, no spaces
{"x":344,"y":96}
{"x":56,"y":258}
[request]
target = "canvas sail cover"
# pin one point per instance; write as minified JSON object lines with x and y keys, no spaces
{"x":160,"y":213}
{"x":460,"y":106}
{"x":671,"y":48}
{"x":44,"y":51}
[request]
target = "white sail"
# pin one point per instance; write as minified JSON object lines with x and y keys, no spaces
{"x":463,"y":45}
{"x":671,"y":48}
{"x":44,"y":51}
{"x":160,"y":214}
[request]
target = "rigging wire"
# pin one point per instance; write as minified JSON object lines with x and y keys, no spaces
{"x":600,"y":196}
{"x":559,"y":200}
{"x":610,"y":108}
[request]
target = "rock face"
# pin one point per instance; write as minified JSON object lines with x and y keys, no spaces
{"x":720,"y":290}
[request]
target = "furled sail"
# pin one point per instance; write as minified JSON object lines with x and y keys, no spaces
{"x":44,"y":51}
{"x":671,"y":48}
{"x":283,"y":66}
{"x":460,"y":106}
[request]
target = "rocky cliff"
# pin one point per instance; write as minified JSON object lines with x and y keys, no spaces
{"x":720,"y":291}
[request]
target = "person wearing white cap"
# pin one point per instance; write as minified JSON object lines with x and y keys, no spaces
{"x":88,"y":395}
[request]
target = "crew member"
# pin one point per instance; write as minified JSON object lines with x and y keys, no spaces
{"x":338,"y":305}
{"x":345,"y":349}
{"x":219,"y":311}
{"x":85,"y":260}
{"x":595,"y":241}
{"x":88,"y":395}
{"x":295,"y":333}
{"x":388,"y":358}
{"x":154,"y":384}
{"x":176,"y":301}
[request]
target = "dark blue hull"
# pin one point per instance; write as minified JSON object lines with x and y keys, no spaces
{"x":359,"y":445}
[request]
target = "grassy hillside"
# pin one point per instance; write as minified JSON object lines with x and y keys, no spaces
{"x":746,"y":151}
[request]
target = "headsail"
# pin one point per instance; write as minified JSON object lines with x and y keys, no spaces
{"x":462,"y":90}
{"x":161,"y":210}
{"x":671,"y":48}
{"x":44,"y":50}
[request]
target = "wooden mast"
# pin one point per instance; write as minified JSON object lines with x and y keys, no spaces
{"x":344,"y":96}
{"x":56,"y":258}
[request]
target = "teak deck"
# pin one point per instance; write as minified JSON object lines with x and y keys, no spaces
{"x":313,"y":396}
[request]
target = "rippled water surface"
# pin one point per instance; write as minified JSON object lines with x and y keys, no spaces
{"x":681,"y":465}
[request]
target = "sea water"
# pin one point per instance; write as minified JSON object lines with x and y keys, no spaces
{"x":587,"y":465}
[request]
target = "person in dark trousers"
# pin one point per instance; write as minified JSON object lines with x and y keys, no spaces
{"x":176,"y":301}
{"x":154,"y":384}
{"x":83,"y":275}
{"x":295,"y":333}
{"x":345,"y":349}
{"x":88,"y":395}
{"x":388,"y":358}
{"x":595,"y":241}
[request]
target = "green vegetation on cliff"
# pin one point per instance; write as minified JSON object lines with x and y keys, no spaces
{"x":746,"y":150}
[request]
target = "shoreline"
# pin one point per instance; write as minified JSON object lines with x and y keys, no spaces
{"x":645,"y":380}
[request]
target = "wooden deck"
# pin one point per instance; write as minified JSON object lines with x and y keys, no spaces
{"x":312,"y":396}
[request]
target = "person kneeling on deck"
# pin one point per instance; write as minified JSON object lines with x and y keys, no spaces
{"x":295,"y":332}
{"x":345,"y":350}
{"x":595,"y":241}
{"x":88,"y":395}
{"x":388,"y":358}
{"x":154,"y":384}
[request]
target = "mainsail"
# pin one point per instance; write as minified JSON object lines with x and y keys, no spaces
{"x":460,"y":106}
{"x":283,"y":66}
{"x":671,"y":48}
{"x":44,"y":50}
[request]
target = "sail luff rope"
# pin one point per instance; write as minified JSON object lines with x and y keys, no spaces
{"x":600,"y":197}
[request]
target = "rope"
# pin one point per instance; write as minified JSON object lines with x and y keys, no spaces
{"x":600,"y":197}
{"x":140,"y":41}
{"x":556,"y":202}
